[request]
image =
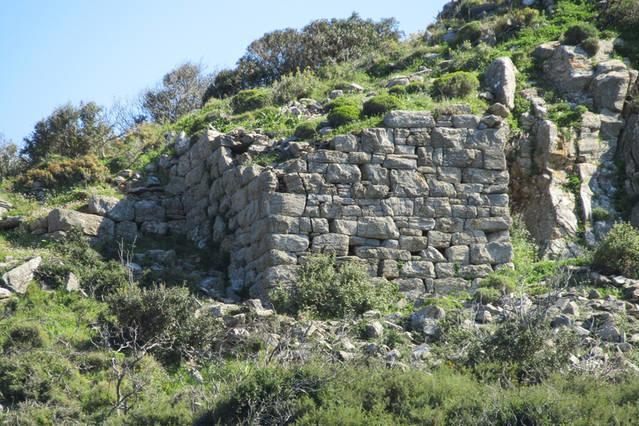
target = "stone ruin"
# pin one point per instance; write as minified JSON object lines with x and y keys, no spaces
{"x":422,"y":201}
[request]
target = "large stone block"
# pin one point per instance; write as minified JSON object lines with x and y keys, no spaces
{"x":336,"y":244}
{"x":377,"y":227}
{"x":409,"y":119}
{"x":89,"y":224}
{"x":343,"y":173}
{"x":377,"y":141}
{"x":280,"y":203}
{"x":287,"y":242}
{"x":491,"y":253}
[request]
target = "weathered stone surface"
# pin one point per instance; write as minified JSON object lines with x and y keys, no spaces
{"x":19,"y":278}
{"x":336,"y":244}
{"x":610,"y":86}
{"x":285,"y":204}
{"x":409,"y":119}
{"x":377,"y":227}
{"x":491,"y":253}
{"x":343,"y":173}
{"x":376,"y":141}
{"x":91,"y":225}
{"x":149,"y":211}
{"x":501,"y":79}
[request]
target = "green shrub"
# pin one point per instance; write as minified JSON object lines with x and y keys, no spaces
{"x":266,"y":396}
{"x":590,"y":45}
{"x":342,"y":115}
{"x":600,"y":214}
{"x":63,"y":172}
{"x":396,"y":90}
{"x":487,"y":295}
{"x":39,"y":375}
{"x":416,"y":87}
{"x":618,"y":253}
{"x":342,"y":101}
{"x":502,"y":281}
{"x":455,"y":85}
{"x":167,"y":314}
{"x":326,"y":290}
{"x":381,"y":104}
{"x":306,"y":130}
{"x":25,"y":337}
{"x":578,"y":33}
{"x":470,"y":32}
{"x":295,"y":86}
{"x":249,"y":100}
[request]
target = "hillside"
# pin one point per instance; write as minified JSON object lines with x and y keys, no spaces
{"x":351,"y":226}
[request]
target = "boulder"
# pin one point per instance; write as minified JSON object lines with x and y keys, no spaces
{"x":91,"y":225}
{"x":501,"y":80}
{"x":112,"y":207}
{"x":18,"y":278}
{"x":568,"y":68}
{"x":609,"y":89}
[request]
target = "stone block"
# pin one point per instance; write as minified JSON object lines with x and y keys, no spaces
{"x":336,"y":244}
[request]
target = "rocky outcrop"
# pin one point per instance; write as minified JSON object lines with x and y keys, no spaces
{"x":501,"y":80}
{"x":91,"y":225}
{"x":19,"y":278}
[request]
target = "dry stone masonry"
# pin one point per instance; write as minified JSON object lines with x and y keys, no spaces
{"x":421,"y":201}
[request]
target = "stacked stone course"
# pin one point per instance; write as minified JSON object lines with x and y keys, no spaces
{"x":421,"y":201}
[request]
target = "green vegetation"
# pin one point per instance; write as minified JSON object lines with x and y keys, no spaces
{"x":455,"y":85}
{"x":306,"y":130}
{"x":343,"y":114}
{"x":326,"y":290}
{"x":618,"y":253}
{"x":381,"y":104}
{"x":250,"y":100}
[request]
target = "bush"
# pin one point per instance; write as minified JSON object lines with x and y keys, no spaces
{"x":600,"y":214}
{"x":326,"y":290}
{"x":590,"y":45}
{"x":487,"y":295}
{"x":381,"y":104}
{"x":455,"y":85}
{"x":249,"y":100}
{"x":68,"y":132}
{"x":578,"y":33}
{"x":295,"y":86}
{"x":306,"y":130}
{"x":165,"y":314}
{"x":25,"y":337}
{"x":416,"y":87}
{"x":618,"y":253}
{"x":470,"y":32}
{"x":397,"y":91}
{"x":63,"y":172}
{"x":342,"y":115}
{"x":501,"y":281}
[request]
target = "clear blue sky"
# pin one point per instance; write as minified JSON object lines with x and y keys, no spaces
{"x":53,"y":52}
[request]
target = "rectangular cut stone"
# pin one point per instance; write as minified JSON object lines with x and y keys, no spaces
{"x":409,"y":119}
{"x":377,"y":227}
{"x":327,"y":156}
{"x":382,"y":253}
{"x":418,"y":269}
{"x":287,"y":242}
{"x":346,"y":227}
{"x":343,"y":173}
{"x":413,"y":243}
{"x":439,"y":239}
{"x":344,"y":143}
{"x":377,"y":141}
{"x":336,"y":244}
{"x":280,"y":203}
{"x":407,"y":162}
{"x":491,"y":253}
{"x":458,"y":254}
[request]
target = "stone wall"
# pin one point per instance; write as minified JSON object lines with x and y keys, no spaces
{"x":421,"y":201}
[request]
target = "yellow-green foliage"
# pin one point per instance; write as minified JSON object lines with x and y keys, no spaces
{"x":61,"y":172}
{"x":251,"y":99}
{"x":618,"y":253}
